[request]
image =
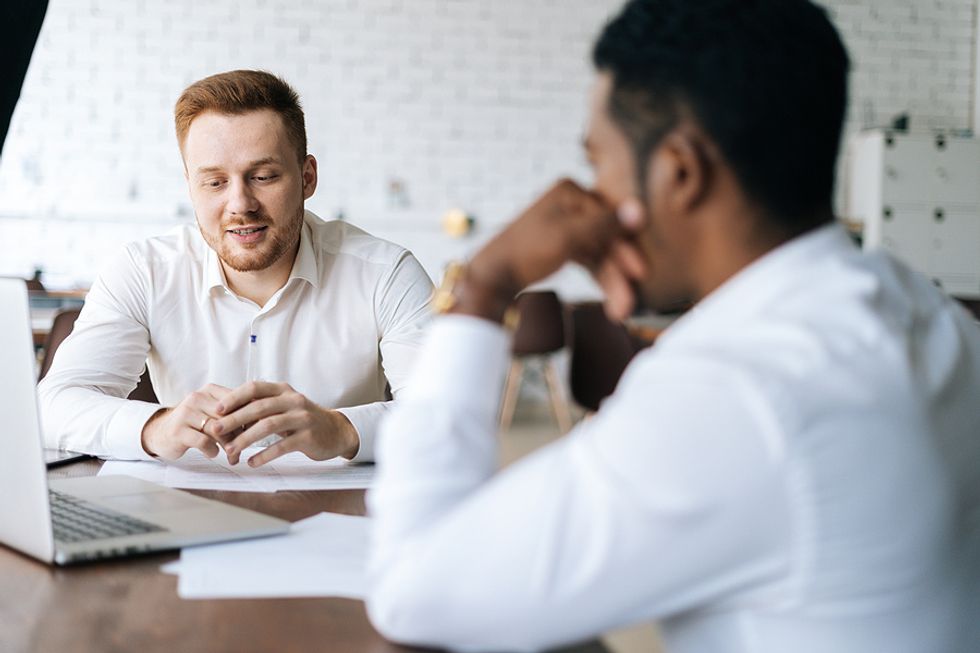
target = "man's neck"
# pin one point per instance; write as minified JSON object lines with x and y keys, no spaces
{"x":260,"y":285}
{"x":744,"y":241}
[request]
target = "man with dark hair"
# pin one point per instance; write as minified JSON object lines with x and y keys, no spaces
{"x":261,"y":324}
{"x":792,"y":467}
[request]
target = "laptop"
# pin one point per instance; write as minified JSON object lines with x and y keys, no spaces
{"x":72,"y":520}
{"x":58,"y":457}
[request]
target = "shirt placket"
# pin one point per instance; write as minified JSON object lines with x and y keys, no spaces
{"x":252,"y":370}
{"x":256,"y":339}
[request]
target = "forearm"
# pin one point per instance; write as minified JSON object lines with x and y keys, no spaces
{"x":364,"y":421}
{"x":559,"y":545}
{"x":457,"y":551}
{"x":82,"y":398}
{"x":84,"y":418}
{"x":444,"y":425}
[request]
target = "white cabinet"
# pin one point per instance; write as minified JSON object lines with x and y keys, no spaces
{"x":919,"y":197}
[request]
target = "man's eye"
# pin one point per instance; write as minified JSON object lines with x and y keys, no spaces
{"x":264,"y":177}
{"x":214,"y":183}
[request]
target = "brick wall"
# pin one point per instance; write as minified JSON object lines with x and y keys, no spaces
{"x":465,"y":103}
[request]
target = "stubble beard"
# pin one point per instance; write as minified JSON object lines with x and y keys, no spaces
{"x":267,"y":253}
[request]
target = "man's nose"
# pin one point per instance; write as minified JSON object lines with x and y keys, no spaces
{"x":241,"y":199}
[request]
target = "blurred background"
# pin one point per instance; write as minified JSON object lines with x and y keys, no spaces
{"x":434,"y":123}
{"x":414,"y":108}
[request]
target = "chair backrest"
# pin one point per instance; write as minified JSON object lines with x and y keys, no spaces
{"x":63,"y":323}
{"x":601,"y":350}
{"x":541,"y":329}
{"x":972,"y":305}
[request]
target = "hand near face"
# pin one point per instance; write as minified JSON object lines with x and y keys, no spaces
{"x":172,"y":431}
{"x":566,"y":224}
{"x":258,"y":409}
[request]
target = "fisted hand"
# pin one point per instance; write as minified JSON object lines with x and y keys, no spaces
{"x":567,"y":223}
{"x":235,"y":419}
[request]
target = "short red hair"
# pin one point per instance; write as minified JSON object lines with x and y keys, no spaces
{"x":239,"y":91}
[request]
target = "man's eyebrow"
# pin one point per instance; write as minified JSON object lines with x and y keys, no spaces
{"x":269,"y":160}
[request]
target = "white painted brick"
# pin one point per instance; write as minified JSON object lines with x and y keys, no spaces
{"x":471,"y":103}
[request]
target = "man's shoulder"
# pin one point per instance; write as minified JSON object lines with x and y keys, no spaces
{"x":853,"y":333}
{"x":180,"y":244}
{"x":341,"y":238}
{"x":155,"y":257}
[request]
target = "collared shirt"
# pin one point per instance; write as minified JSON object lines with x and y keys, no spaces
{"x":794,"y":466}
{"x":343,"y":330}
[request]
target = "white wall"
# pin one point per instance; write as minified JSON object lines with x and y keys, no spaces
{"x":470,"y":103}
{"x":975,"y":123}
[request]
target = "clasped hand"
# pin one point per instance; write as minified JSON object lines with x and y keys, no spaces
{"x":234,"y":419}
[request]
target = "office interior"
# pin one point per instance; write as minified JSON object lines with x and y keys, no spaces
{"x":434,"y":123}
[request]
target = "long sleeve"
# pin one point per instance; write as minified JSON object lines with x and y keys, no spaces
{"x":83,"y":397}
{"x":402,"y":314}
{"x":671,"y":495}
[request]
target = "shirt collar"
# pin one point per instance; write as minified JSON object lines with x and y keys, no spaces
{"x":306,"y":265}
{"x":763,"y":281}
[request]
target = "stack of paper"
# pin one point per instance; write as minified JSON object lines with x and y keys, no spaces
{"x":324,"y":555}
{"x":294,"y":471}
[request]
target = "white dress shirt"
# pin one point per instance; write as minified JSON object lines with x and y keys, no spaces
{"x":793,"y":467}
{"x":344,"y":331}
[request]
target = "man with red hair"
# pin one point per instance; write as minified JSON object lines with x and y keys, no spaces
{"x":261,"y":325}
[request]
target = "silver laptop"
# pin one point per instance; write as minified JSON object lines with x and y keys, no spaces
{"x":58,"y":457}
{"x":75,"y":519}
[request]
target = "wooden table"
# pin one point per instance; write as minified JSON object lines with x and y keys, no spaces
{"x":129,"y":605}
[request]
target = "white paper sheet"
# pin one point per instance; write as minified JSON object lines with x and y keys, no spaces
{"x":324,"y":555}
{"x":172,"y":568}
{"x":293,"y":471}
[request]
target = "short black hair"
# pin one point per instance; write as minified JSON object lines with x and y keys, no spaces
{"x":765,"y":79}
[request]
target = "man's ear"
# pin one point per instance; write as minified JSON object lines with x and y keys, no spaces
{"x":309,"y":176}
{"x":679,"y":171}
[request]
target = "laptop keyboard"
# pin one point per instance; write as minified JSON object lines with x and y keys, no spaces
{"x":77,"y":520}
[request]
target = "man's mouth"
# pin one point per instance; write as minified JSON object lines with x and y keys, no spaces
{"x":247,"y":235}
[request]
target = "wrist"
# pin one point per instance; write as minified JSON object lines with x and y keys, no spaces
{"x":485,"y":290}
{"x":149,"y":431}
{"x":349,"y":437}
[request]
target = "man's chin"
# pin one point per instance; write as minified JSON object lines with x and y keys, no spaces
{"x":250,"y":262}
{"x":660,"y":302}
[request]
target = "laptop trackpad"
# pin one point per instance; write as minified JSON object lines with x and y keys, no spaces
{"x":144,"y":502}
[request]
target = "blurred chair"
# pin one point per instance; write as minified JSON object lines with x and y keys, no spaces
{"x":34,"y":284}
{"x":540,"y":334}
{"x":63,"y":323}
{"x":972,"y":305}
{"x":601,"y":350}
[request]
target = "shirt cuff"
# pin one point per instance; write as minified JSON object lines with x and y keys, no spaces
{"x":463,"y":362}
{"x":365,"y":420}
{"x":124,"y":433}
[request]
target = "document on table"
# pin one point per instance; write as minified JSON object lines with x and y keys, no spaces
{"x":324,"y":555}
{"x":294,"y":471}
